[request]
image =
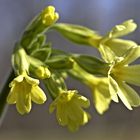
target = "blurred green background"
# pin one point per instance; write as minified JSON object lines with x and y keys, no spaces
{"x":117,"y":123}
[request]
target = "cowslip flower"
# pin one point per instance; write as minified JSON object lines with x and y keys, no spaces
{"x":25,"y":89}
{"x":111,"y":45}
{"x":49,"y":16}
{"x":69,"y":109}
{"x":98,"y":85}
{"x":122,"y":73}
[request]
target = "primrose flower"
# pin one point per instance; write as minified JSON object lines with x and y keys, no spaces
{"x":69,"y":109}
{"x":25,"y":89}
{"x":99,"y":88}
{"x":111,"y":46}
{"x":49,"y":16}
{"x":122,"y":73}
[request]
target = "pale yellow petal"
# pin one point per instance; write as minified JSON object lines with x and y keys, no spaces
{"x":11,"y":99}
{"x":130,"y":56}
{"x":123,"y":29}
{"x":37,"y":95}
{"x":123,"y":96}
{"x":120,"y":46}
{"x":101,"y":98}
{"x":131,"y":95}
{"x":23,"y":103}
{"x":32,"y":81}
{"x":131,"y":74}
{"x":113,"y":88}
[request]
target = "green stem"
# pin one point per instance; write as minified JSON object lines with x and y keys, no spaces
{"x":4,"y":94}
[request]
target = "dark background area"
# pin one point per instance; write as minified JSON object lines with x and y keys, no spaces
{"x":117,"y":123}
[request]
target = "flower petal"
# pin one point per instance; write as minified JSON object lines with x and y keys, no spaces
{"x":132,"y":97}
{"x":130,"y":56}
{"x":131,"y":74}
{"x":23,"y":103}
{"x":120,"y":46}
{"x":17,"y":79}
{"x":123,"y":29}
{"x":11,"y":98}
{"x":32,"y":81}
{"x":123,"y":96}
{"x":37,"y":95}
{"x":113,"y":88}
{"x":101,"y":97}
{"x":83,"y":101}
{"x":106,"y":53}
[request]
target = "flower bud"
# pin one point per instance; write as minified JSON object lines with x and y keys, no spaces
{"x":42,"y":72}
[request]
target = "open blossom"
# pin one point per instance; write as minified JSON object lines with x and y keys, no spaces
{"x":25,"y":89}
{"x":69,"y":109}
{"x":99,"y":88}
{"x":111,"y":45}
{"x":122,"y":73}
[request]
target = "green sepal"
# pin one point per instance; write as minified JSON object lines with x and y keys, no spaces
{"x":30,"y":34}
{"x":92,"y":64}
{"x":42,"y":53}
{"x":20,"y":61}
{"x":76,"y":33}
{"x":37,"y":43}
{"x":55,"y":84}
{"x":60,"y":62}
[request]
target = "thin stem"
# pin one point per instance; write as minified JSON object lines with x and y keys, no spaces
{"x":3,"y":96}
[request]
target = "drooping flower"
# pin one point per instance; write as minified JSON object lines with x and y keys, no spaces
{"x":122,"y":73}
{"x":25,"y":89}
{"x":99,"y":88}
{"x":69,"y":109}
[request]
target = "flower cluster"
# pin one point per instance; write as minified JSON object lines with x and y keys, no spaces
{"x":109,"y":78}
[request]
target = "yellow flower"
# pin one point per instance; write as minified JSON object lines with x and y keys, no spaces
{"x":25,"y":89}
{"x":69,"y":109}
{"x":49,"y":16}
{"x":122,"y":73}
{"x":111,"y":45}
{"x":99,"y":88}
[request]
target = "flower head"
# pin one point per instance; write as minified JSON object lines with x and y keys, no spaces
{"x":122,"y":73}
{"x":69,"y":109}
{"x":49,"y":16}
{"x":25,"y":89}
